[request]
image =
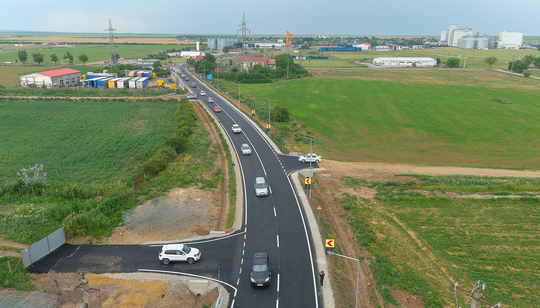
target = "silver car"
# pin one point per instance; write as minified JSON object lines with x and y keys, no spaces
{"x":236,"y":129}
{"x":210,"y":100}
{"x":246,"y":150}
{"x":309,"y":157}
{"x":261,"y":188}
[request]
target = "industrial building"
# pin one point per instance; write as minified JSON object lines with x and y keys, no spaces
{"x":219,"y":43}
{"x":382,"y":48}
{"x":473,"y":42}
{"x":191,"y":54}
{"x":451,"y":36}
{"x":404,"y":61}
{"x":64,"y":76}
{"x":268,"y":45}
{"x":339,"y":48}
{"x":510,"y":40}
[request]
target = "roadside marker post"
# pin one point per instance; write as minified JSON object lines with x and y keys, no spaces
{"x":319,"y":218}
{"x":330,"y":243}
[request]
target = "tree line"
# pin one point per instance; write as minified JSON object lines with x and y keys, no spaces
{"x":39,"y":58}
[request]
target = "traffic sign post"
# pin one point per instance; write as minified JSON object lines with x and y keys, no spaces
{"x":319,"y":218}
{"x":307,"y":183}
{"x":330,"y":246}
{"x":268,"y":128}
{"x":253,"y":113}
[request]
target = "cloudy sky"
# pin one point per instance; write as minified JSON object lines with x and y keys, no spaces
{"x":300,"y":17}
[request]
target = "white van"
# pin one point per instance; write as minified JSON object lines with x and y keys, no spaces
{"x":261,"y":188}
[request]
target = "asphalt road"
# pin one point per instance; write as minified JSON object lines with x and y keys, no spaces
{"x":273,"y":224}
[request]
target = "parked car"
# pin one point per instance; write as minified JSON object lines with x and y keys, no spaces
{"x":191,"y":96}
{"x":246,"y":150}
{"x":261,"y":272}
{"x":261,"y":188}
{"x":236,"y":129}
{"x":203,"y":93}
{"x":178,"y":253}
{"x":210,"y":100}
{"x":217,"y":109}
{"x":309,"y":157}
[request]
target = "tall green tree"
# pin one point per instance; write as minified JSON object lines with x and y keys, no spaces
{"x":537,"y":62}
{"x":54,"y":58}
{"x":529,"y":59}
{"x":23,"y":56}
{"x":83,"y":58}
{"x":38,"y":57}
{"x":68,"y":56}
{"x":452,"y":62}
{"x":518,"y":67}
{"x":490,"y":60}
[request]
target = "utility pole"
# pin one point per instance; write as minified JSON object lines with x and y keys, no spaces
{"x":287,"y":68}
{"x":475,"y":295}
{"x":244,"y":31}
{"x":111,"y":45}
{"x":512,"y":70}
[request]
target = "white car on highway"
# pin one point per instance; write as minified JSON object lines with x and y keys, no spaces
{"x":236,"y":129}
{"x":246,"y":150}
{"x":309,"y":157}
{"x":203,"y":93}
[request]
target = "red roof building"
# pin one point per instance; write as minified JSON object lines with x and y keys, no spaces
{"x":59,"y":72}
{"x":197,"y":58}
{"x":65,"y":77}
{"x":265,"y":61}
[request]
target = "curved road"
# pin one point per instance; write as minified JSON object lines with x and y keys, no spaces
{"x":273,"y":224}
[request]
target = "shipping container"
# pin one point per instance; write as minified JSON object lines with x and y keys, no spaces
{"x":142,"y":82}
{"x":123,"y":83}
{"x":133,"y":83}
{"x":103,"y":83}
{"x":140,"y":73}
{"x":92,"y":82}
{"x":112,"y":83}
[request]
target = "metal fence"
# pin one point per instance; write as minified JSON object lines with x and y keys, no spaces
{"x":43,"y":247}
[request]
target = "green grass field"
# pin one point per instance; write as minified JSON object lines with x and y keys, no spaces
{"x":80,"y":141}
{"x":426,"y":117}
{"x":95,"y":52}
{"x":470,"y":239}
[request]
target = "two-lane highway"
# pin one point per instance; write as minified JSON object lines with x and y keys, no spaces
{"x":273,"y":224}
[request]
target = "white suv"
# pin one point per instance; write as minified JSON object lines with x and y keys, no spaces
{"x":309,"y":157}
{"x":179,"y":252}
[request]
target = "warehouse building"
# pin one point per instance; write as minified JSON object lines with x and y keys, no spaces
{"x":267,"y":45}
{"x":404,"y":61}
{"x":64,"y":76}
{"x":510,"y":40}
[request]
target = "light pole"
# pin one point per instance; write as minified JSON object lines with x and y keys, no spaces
{"x":238,"y":94}
{"x":310,"y":152}
{"x":268,"y":112}
{"x":204,"y":73}
{"x":357,"y":271}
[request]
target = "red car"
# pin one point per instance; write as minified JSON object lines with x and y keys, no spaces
{"x":217,"y":109}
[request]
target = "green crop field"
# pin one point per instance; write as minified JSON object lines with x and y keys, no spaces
{"x":95,"y":52}
{"x":493,"y":240}
{"x":433,"y":117}
{"x":83,"y":142}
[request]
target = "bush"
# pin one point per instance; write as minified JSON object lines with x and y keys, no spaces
{"x":280,"y":114}
{"x":527,"y":74}
{"x":452,"y":62}
{"x":158,"y":162}
{"x":178,"y":141}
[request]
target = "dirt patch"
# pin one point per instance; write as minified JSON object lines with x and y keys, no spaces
{"x":130,"y":292}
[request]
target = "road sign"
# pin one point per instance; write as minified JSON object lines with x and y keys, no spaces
{"x":319,"y":208}
{"x":308,"y":181}
{"x":330,"y":243}
{"x":267,"y":126}
{"x":208,"y":76}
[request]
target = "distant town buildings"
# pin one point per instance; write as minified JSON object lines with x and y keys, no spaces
{"x":464,"y":38}
{"x":404,"y":61}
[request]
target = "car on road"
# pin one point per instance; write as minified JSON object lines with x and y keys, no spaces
{"x":217,"y":109}
{"x":183,"y":76}
{"x":261,"y":272}
{"x":261,"y":188}
{"x":179,"y":253}
{"x":191,"y":96}
{"x":310,"y":157}
{"x":210,"y":100}
{"x":193,"y":85}
{"x":203,"y":93}
{"x":236,"y":129}
{"x":246,"y":150}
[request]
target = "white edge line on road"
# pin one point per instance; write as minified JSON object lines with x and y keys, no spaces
{"x":277,"y":236}
{"x":277,"y":303}
{"x":207,"y":241}
{"x":307,"y":240}
{"x":187,"y":274}
{"x":275,"y":212}
{"x":278,"y":282}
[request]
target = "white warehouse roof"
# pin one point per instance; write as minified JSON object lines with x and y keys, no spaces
{"x":404,"y":61}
